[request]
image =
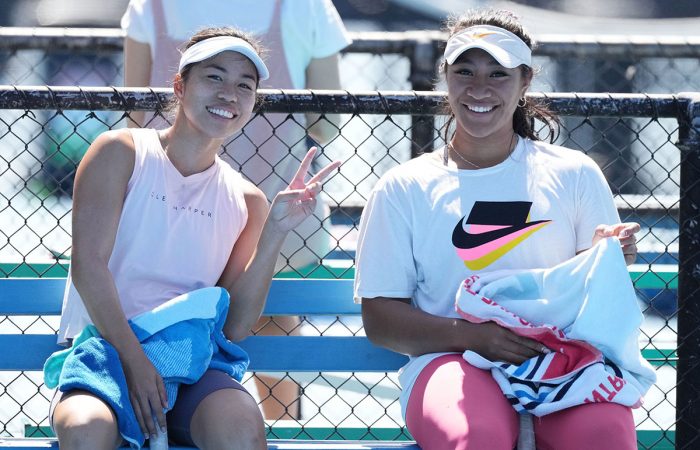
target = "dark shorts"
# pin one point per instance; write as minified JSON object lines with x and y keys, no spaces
{"x":189,"y":396}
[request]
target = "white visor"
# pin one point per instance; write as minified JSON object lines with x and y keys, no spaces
{"x":506,"y":48}
{"x":213,"y":46}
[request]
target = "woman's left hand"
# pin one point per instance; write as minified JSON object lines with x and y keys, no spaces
{"x":625,"y":233}
{"x":294,"y":204}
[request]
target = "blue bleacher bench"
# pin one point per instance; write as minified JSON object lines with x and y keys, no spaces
{"x":292,"y":297}
{"x":296,"y":297}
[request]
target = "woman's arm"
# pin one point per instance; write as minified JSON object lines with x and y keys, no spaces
{"x":323,"y":73}
{"x":246,"y":258}
{"x":100,"y":186}
{"x":137,"y":72}
{"x":98,"y":197}
{"x":249,"y":271}
{"x":395,"y":324}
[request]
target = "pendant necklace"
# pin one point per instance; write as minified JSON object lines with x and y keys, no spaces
{"x":446,"y":154}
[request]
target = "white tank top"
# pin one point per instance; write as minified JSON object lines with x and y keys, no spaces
{"x":175,"y":233}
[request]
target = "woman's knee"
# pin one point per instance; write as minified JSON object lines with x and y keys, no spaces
{"x":456,"y":406}
{"x":590,"y":426}
{"x":228,"y":416}
{"x":472,"y":433}
{"x":81,"y":420}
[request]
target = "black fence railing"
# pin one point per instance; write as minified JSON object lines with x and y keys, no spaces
{"x":383,"y":61}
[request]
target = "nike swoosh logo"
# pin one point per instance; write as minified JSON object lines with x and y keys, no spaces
{"x":485,"y":254}
{"x":482,"y":35}
{"x":465,"y":240}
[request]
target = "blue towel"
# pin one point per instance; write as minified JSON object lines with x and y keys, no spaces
{"x":182,"y":338}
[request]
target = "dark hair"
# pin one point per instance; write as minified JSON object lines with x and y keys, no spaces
{"x":207,"y":33}
{"x":525,"y":115}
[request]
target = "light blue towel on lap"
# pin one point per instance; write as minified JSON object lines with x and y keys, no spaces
{"x":182,"y":338}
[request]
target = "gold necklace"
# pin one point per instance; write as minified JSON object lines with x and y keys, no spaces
{"x":511,"y":148}
{"x":454,"y":151}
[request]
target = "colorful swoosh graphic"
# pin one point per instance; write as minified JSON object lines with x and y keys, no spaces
{"x":492,"y":230}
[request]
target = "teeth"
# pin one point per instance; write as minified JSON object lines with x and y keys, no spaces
{"x":480,"y":109}
{"x":221,"y":112}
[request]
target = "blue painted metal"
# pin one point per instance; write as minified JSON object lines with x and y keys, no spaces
{"x":43,"y":296}
{"x":267,"y":353}
{"x":291,"y":353}
{"x":311,"y":297}
{"x":26,"y":351}
{"x":330,"y":354}
{"x":31,"y":296}
{"x":51,"y":443}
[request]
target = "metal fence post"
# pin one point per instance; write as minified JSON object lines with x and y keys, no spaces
{"x":688,"y":370}
{"x":423,"y":56}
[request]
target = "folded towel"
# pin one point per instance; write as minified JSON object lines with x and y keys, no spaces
{"x":182,"y":338}
{"x":585,"y":310}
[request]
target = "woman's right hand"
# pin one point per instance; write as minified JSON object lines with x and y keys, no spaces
{"x":146,"y":391}
{"x":497,"y":343}
{"x":294,"y":204}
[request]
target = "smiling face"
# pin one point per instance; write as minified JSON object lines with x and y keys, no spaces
{"x":483,"y":95}
{"x":217,"y":95}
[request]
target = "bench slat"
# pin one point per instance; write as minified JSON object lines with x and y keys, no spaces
{"x":31,"y":296}
{"x":43,"y":296}
{"x":311,"y":296}
{"x":38,"y":443}
{"x":331,"y":353}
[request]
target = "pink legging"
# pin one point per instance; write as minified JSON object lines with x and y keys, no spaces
{"x":455,"y":406}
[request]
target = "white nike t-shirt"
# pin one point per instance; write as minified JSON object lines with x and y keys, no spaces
{"x":426,"y":227}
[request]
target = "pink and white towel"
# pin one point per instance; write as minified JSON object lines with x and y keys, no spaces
{"x":585,"y":310}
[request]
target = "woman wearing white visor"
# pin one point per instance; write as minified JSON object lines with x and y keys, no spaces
{"x":494,"y":198}
{"x":157,"y":214}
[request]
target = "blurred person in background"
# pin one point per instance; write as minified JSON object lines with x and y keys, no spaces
{"x":303,"y":39}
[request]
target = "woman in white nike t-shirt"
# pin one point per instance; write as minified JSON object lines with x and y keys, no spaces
{"x":157,"y":214}
{"x":495,"y":198}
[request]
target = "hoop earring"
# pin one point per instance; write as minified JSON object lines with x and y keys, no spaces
{"x":523,"y":104}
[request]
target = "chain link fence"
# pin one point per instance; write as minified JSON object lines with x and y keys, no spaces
{"x":645,"y":144}
{"x":387,"y":62}
{"x":37,"y":125}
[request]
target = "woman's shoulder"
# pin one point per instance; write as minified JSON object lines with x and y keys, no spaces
{"x":232,"y":180}
{"x":252,"y":195}
{"x":115,"y":146}
{"x":415,"y":171}
{"x":119,"y":140}
{"x":560,"y":156}
{"x":251,"y":192}
{"x":108,"y":163}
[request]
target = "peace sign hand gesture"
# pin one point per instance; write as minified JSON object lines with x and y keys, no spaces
{"x":294,"y":204}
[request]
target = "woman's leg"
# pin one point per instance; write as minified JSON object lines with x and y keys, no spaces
{"x":83,"y":421}
{"x":591,"y":426}
{"x":455,"y":406}
{"x":216,"y":413}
